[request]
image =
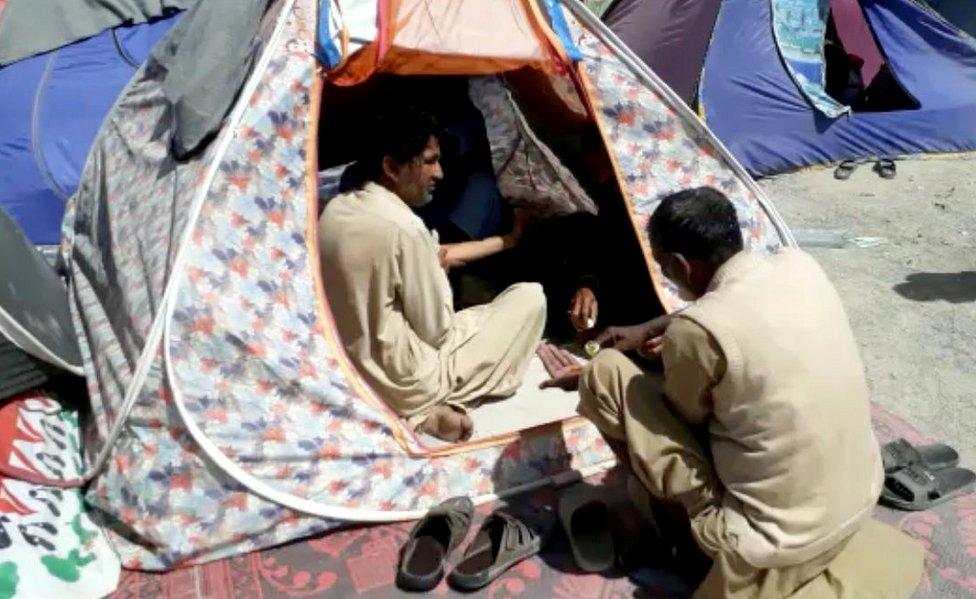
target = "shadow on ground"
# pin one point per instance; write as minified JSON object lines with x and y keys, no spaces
{"x":953,"y":287}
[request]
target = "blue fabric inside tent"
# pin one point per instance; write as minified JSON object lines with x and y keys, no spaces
{"x":757,"y":110}
{"x":53,"y":106}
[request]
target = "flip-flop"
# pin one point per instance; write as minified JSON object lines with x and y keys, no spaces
{"x":885,"y":168}
{"x":915,"y":488}
{"x":431,"y":542}
{"x":586,"y":522}
{"x":501,"y":542}
{"x":844,"y":170}
{"x":899,"y":454}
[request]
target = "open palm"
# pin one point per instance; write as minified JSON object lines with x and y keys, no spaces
{"x":564,"y":371}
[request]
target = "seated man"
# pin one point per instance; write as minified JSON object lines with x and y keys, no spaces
{"x":391,"y":299}
{"x":761,"y":432}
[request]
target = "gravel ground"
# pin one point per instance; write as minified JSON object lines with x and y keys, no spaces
{"x":912,"y":298}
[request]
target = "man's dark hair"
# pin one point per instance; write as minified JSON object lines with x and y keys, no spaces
{"x":697,"y":223}
{"x":401,"y":132}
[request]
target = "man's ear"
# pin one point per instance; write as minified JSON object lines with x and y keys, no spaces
{"x":683,"y":267}
{"x":391,"y":168}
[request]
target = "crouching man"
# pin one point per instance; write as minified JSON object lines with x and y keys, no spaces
{"x":760,"y":432}
{"x":392,"y":303}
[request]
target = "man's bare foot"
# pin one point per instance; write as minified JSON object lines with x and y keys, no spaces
{"x":448,"y":424}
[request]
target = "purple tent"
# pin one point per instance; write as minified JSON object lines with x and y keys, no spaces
{"x":671,"y":36}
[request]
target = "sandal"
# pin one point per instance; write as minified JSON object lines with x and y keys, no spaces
{"x":900,"y":454}
{"x":431,"y":541}
{"x":501,"y":542}
{"x":885,"y":168}
{"x":844,"y":170}
{"x":915,"y":488}
{"x":586,"y":522}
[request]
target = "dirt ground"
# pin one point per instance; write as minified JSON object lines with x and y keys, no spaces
{"x":912,"y":298}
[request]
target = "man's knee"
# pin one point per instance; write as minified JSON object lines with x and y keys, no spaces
{"x":600,"y":389}
{"x":608,"y":365}
{"x":529,"y":298}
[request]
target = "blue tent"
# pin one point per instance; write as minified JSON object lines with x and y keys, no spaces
{"x":764,"y":85}
{"x":53,"y":106}
{"x":758,"y":110}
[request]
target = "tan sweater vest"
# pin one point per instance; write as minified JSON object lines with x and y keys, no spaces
{"x":791,"y":432}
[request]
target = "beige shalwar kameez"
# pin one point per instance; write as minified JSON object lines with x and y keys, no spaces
{"x":394,"y":311}
{"x":761,"y":431}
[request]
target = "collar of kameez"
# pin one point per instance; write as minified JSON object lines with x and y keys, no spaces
{"x":377,"y":190}
{"x":734,"y":267}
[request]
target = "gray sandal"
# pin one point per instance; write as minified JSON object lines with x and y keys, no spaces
{"x":885,"y":168}
{"x":900,"y":454}
{"x":844,"y":170}
{"x":501,"y":542}
{"x":916,"y":488}
{"x":431,"y":542}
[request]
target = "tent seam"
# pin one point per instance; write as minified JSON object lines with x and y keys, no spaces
{"x":39,"y":160}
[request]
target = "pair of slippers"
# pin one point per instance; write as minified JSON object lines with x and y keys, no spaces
{"x":501,"y":542}
{"x":884,"y":167}
{"x":919,"y":478}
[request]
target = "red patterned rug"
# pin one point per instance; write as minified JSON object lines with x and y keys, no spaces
{"x":361,"y":562}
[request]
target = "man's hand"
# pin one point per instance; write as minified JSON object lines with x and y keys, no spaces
{"x":583,"y":309}
{"x":646,"y":339}
{"x":447,"y":262}
{"x":521,"y":220}
{"x":562,"y":367}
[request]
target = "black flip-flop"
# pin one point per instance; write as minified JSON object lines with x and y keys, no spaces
{"x":885,"y":168}
{"x":844,"y":170}
{"x":915,"y":488}
{"x":431,"y":542}
{"x":900,"y":454}
{"x":501,"y":542}
{"x":587,"y":524}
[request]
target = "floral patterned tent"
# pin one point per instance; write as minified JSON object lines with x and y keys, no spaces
{"x":225,"y":416}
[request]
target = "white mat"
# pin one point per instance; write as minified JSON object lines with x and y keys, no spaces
{"x":529,"y":407}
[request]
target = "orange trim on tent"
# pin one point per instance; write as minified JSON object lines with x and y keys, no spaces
{"x":382,"y":55}
{"x":648,"y":256}
{"x":322,"y":302}
{"x":356,"y":68}
{"x":417,"y":62}
{"x":558,"y":53}
{"x":363,"y":391}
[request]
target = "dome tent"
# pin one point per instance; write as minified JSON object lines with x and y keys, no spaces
{"x":225,"y":414}
{"x":757,"y":68}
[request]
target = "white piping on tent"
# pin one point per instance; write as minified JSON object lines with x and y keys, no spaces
{"x":316,"y":508}
{"x":26,"y":341}
{"x":159,"y":324}
{"x":627,"y":56}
